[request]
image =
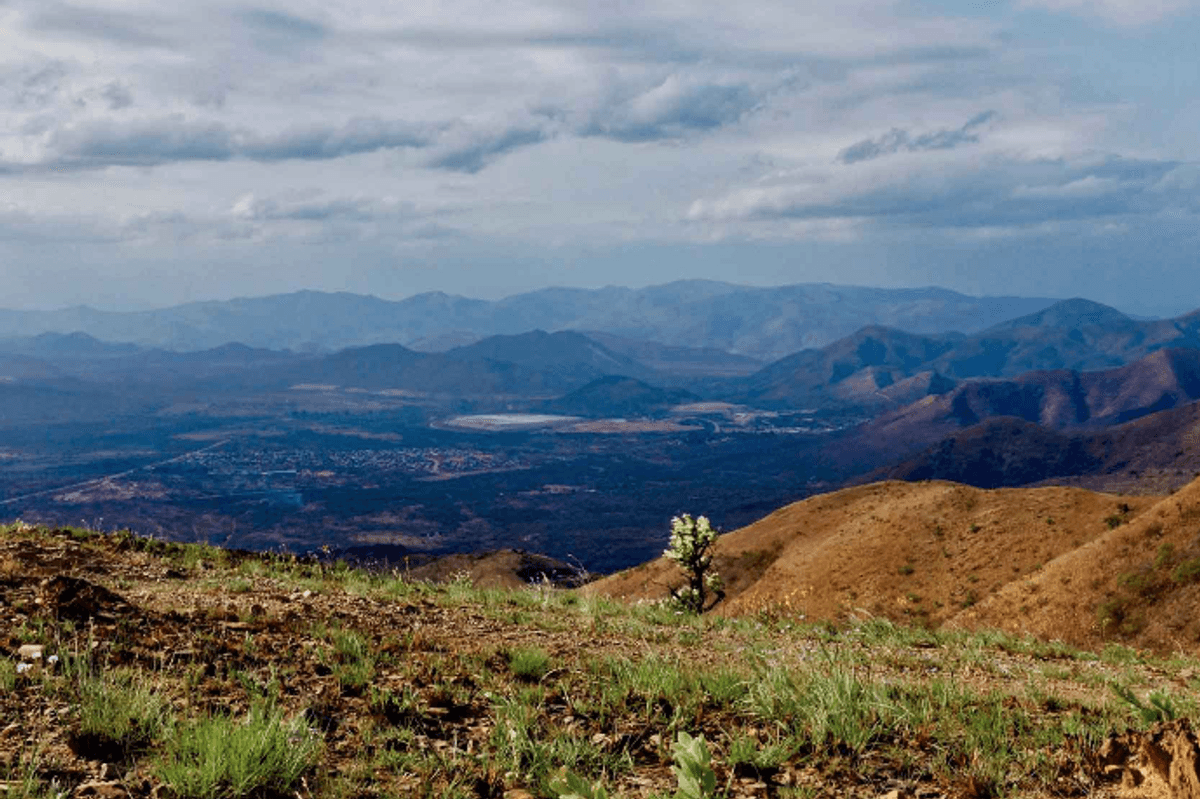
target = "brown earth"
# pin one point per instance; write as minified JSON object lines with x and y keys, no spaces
{"x":1137,"y":582}
{"x":929,"y":552}
{"x":213,"y":633}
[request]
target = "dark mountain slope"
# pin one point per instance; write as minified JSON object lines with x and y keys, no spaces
{"x":616,"y":396}
{"x":1057,"y":400}
{"x":1073,"y":335}
{"x":534,"y":364}
{"x":566,"y":356}
{"x":996,"y":453}
{"x":678,"y":361}
{"x":856,"y":370}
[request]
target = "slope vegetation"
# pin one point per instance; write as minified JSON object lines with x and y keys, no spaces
{"x":916,"y":551}
{"x":1139,"y":582}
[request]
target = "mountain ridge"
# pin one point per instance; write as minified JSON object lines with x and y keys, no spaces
{"x":760,"y":322}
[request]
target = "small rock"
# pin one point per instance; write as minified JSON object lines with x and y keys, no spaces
{"x":31,"y":652}
{"x":102,"y":790}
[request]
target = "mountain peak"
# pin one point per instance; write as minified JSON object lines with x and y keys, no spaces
{"x":1075,"y":312}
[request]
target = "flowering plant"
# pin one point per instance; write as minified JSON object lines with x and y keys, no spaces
{"x":690,"y":548}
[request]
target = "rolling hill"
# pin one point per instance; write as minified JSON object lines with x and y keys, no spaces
{"x":1138,"y":582}
{"x":904,"y":551}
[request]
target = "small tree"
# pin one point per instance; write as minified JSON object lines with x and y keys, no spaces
{"x":691,"y":545}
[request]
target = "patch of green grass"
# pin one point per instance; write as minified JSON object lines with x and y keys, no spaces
{"x":526,"y":745}
{"x":353,"y":661}
{"x":529,"y":663}
{"x":120,"y":714}
{"x":1166,"y":552}
{"x":19,"y":774}
{"x":1186,"y":572}
{"x":222,"y":758}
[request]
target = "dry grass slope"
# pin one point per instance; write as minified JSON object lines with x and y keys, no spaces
{"x":1139,"y":582}
{"x":920,"y":552}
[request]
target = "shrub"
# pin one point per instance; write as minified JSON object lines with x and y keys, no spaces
{"x":690,"y":549}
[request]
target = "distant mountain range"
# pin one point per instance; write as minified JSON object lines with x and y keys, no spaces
{"x":1052,"y":367}
{"x":757,"y":323}
{"x":878,"y":367}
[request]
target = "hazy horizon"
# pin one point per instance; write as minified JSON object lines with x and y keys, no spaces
{"x":502,"y":296}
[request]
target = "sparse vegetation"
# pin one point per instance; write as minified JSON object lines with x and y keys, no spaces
{"x":1187,"y":572}
{"x":383,"y":688}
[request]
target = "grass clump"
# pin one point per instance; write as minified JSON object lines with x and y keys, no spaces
{"x":220,"y":758}
{"x":1157,"y":707}
{"x":529,"y":663}
{"x":352,"y":660}
{"x":120,"y":715}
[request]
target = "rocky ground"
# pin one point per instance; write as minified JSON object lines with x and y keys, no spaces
{"x":383,"y":685}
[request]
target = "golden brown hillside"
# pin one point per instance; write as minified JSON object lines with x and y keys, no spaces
{"x":1139,"y":583}
{"x":906,"y":551}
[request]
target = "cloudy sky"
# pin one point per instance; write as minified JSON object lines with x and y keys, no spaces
{"x":155,"y":153}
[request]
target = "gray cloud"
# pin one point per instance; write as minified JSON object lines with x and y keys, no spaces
{"x":34,"y":85}
{"x":284,"y":34}
{"x":120,"y":28}
{"x":475,"y":154}
{"x":319,"y":209}
{"x":104,"y":143}
{"x":144,"y":143}
{"x":361,"y":135}
{"x":285,"y":25}
{"x":670,"y":110}
{"x":117,"y":96}
{"x":997,"y":193}
{"x":897,"y":140}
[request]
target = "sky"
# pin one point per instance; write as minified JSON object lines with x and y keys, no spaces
{"x":159,"y":153}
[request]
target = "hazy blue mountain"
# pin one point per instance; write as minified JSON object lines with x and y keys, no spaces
{"x":614,"y":397}
{"x":757,"y":322}
{"x":82,"y":356}
{"x":876,"y":366}
{"x":571,"y":356}
{"x":535,"y":364}
{"x":678,"y":361}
